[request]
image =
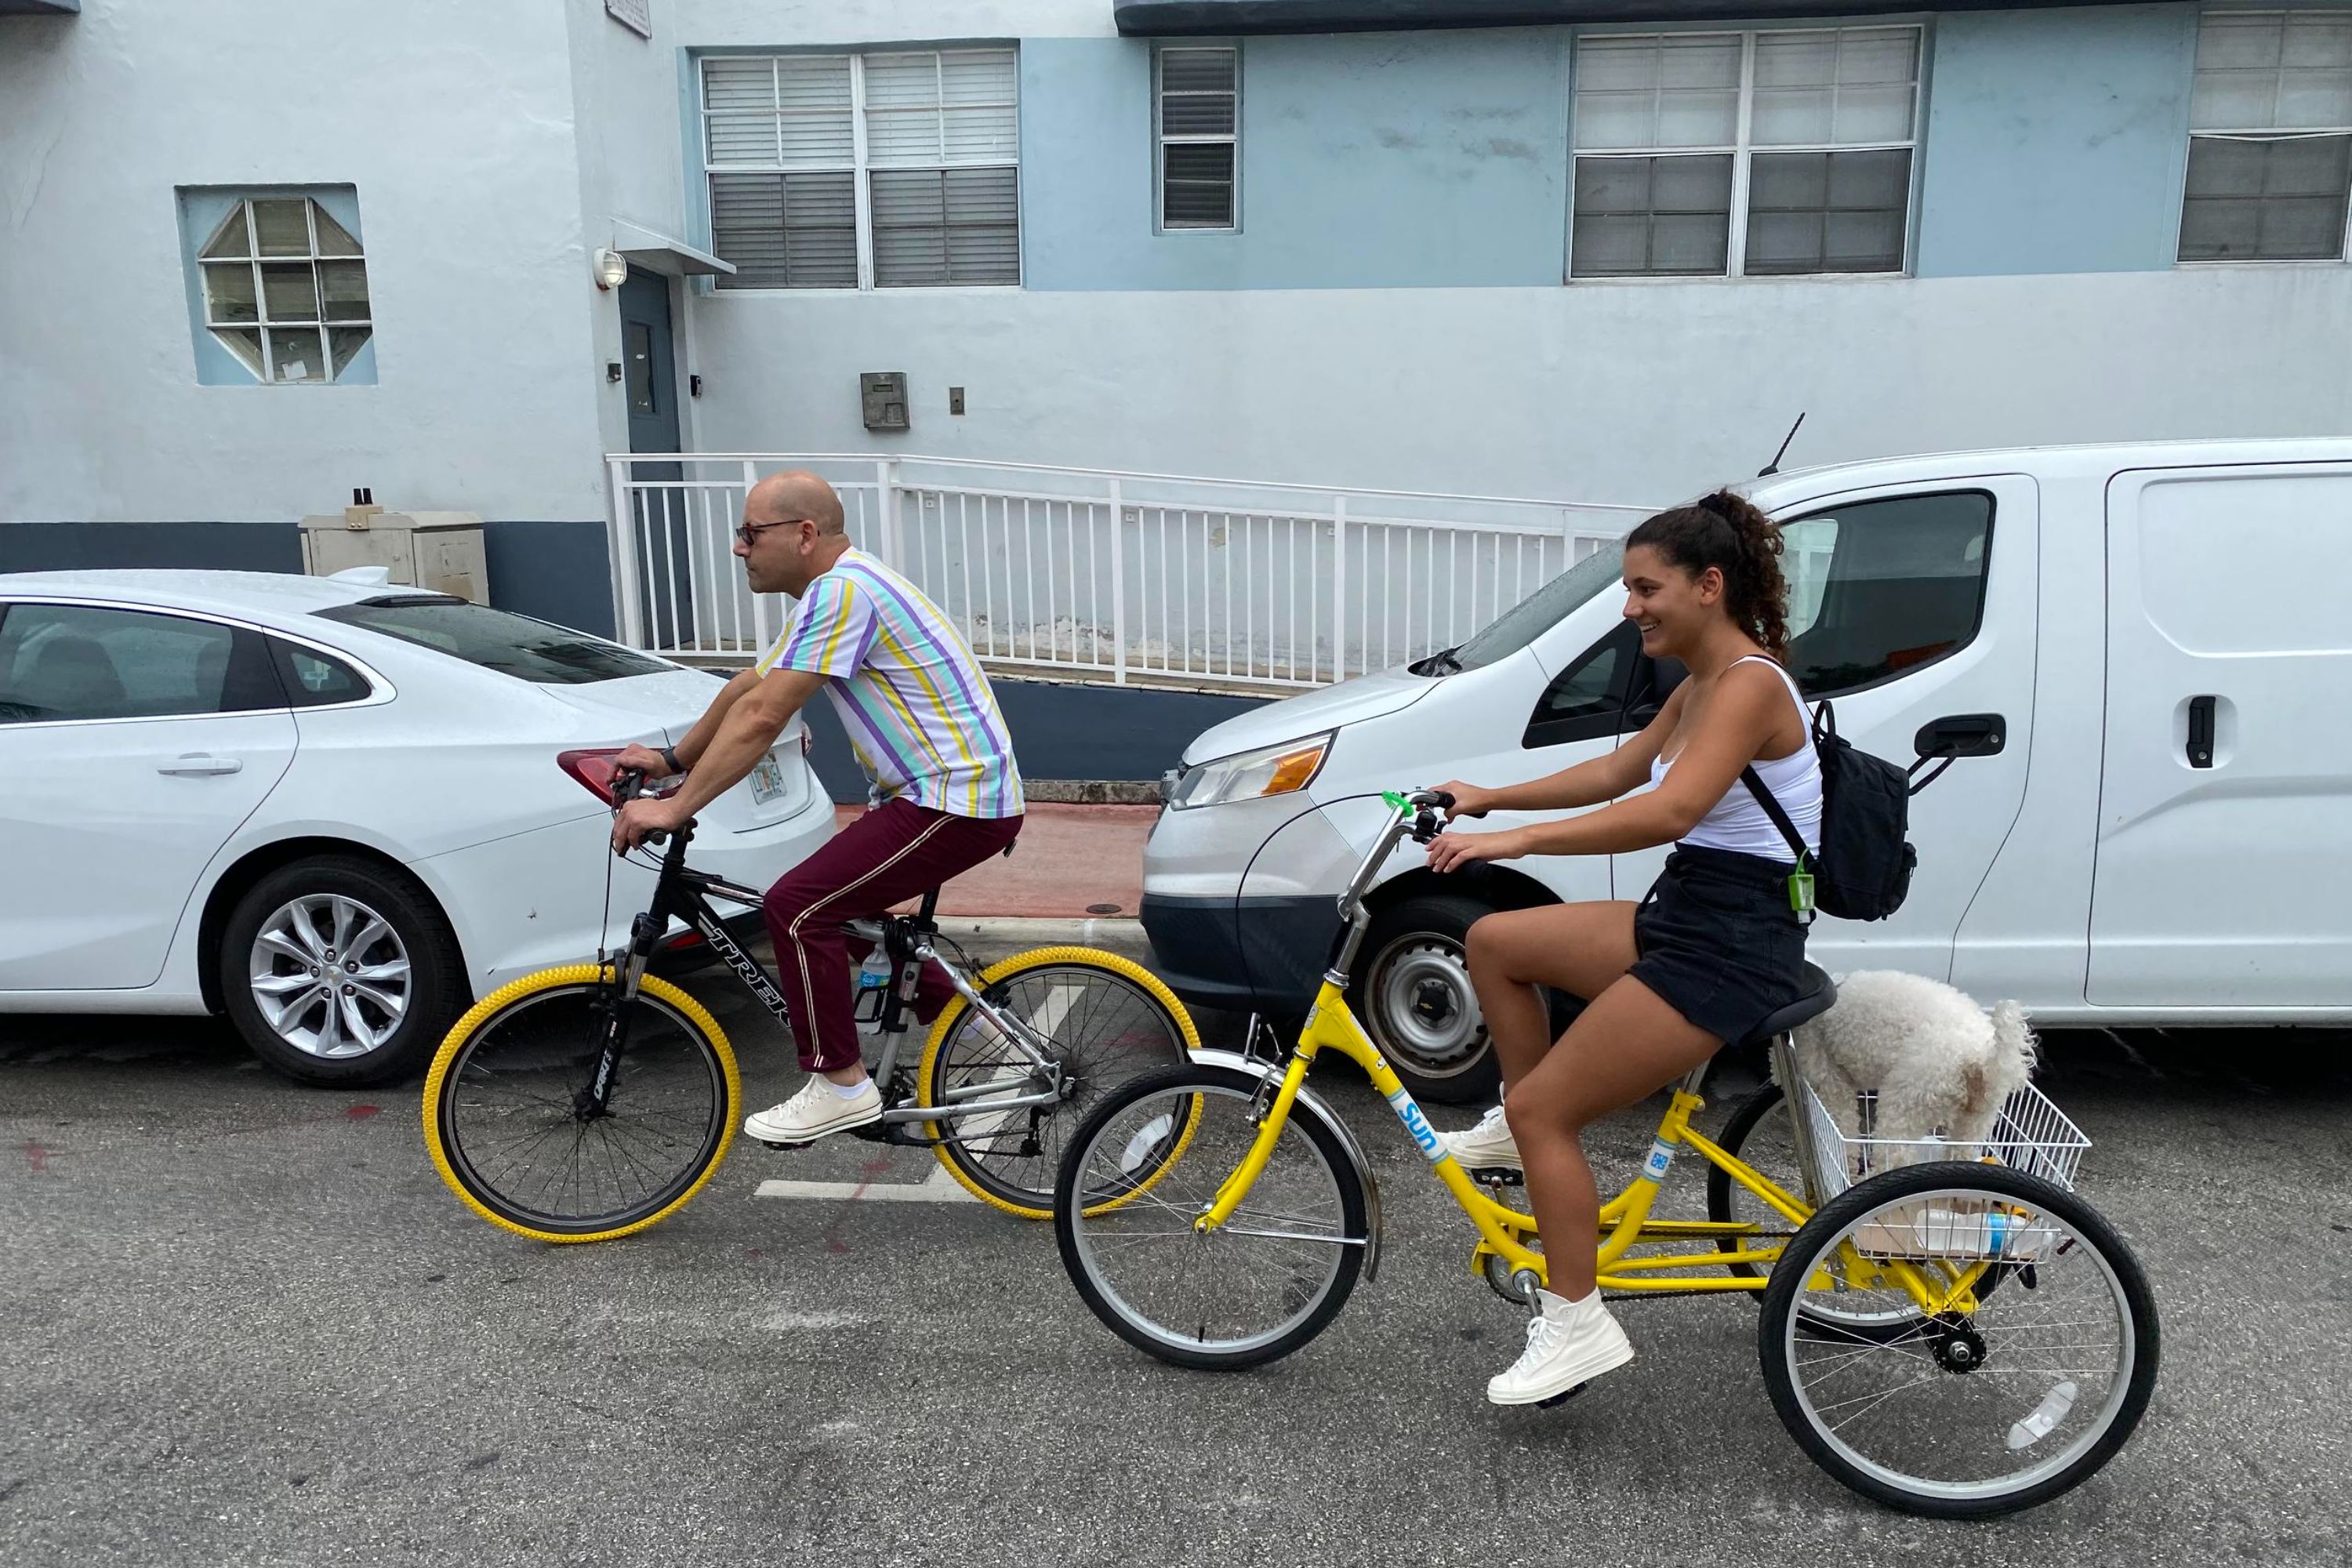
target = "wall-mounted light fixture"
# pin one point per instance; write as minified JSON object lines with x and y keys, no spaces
{"x":612,"y":269}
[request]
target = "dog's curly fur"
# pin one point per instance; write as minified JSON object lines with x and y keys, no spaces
{"x":1940,"y":1064}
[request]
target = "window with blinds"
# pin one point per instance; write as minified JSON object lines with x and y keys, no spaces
{"x":1197,"y":110}
{"x":1744,"y":154}
{"x":867,"y":171}
{"x":2269,"y":143}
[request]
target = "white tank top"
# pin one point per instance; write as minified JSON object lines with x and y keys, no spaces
{"x":1737,"y":822}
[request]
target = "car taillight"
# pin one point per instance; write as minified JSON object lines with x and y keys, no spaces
{"x":593,"y":770}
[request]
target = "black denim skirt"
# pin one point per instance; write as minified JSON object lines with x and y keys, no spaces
{"x":1718,"y":939}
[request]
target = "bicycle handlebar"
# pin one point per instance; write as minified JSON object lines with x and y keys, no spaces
{"x":627,"y":785}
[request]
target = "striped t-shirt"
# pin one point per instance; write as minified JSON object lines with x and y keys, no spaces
{"x":918,"y":710}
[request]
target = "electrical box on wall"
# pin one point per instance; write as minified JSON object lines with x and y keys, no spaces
{"x":437,"y":551}
{"x":883,"y":395}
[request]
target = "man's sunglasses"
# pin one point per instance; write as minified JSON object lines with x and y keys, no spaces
{"x":748,"y":532}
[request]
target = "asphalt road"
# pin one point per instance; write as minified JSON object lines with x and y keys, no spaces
{"x":243,"y":1322}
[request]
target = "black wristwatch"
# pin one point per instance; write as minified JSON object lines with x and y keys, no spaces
{"x":669,"y":760}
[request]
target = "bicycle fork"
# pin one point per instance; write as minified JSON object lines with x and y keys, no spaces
{"x":628,"y":974}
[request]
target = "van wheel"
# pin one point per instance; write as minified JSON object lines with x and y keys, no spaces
{"x":339,"y":972}
{"x":1412,"y":991}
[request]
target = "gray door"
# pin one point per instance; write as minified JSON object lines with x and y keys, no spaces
{"x":649,"y":377}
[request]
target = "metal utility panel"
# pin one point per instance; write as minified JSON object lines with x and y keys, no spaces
{"x":883,"y":395}
{"x":437,"y":551}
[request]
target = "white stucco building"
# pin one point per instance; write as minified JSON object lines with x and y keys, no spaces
{"x":1568,"y":256}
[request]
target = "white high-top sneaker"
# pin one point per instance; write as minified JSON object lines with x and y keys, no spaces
{"x":1488,"y":1146}
{"x":1572,"y":1343}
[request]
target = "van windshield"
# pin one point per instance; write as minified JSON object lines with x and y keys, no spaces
{"x":1536,"y":614}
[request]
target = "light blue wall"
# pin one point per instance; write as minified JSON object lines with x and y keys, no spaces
{"x":2056,"y":141}
{"x":1366,"y":161}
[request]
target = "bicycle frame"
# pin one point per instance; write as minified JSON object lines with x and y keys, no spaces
{"x":683,"y":893}
{"x":1626,"y":1221}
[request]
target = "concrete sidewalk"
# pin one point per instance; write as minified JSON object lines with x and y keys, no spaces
{"x":1076,"y":874}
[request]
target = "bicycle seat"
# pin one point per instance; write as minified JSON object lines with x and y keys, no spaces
{"x":1819,"y":995}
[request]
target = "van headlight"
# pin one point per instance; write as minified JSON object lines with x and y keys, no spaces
{"x":1275,"y":770}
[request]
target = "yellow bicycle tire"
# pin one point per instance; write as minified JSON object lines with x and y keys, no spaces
{"x":1005,"y":969}
{"x":545,"y":980}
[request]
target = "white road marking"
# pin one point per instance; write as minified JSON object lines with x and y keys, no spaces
{"x":938,"y":1188}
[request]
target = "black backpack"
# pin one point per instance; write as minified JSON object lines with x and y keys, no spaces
{"x":1865,"y":864}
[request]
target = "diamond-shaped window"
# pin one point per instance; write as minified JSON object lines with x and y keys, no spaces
{"x":286,"y":290}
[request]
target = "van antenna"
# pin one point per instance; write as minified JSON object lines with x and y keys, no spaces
{"x":1768,"y":469}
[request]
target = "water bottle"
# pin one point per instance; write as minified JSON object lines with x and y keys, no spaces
{"x":873,"y":978}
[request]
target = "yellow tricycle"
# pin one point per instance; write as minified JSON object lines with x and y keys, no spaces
{"x":1945,"y":1328}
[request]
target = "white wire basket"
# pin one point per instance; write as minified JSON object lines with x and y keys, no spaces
{"x":2030,"y":1134}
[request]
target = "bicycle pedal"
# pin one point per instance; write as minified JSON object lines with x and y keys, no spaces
{"x":1499,"y":1177}
{"x":779,"y":1148}
{"x":1559,"y":1399}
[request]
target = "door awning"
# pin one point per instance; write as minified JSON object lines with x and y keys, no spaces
{"x":1159,"y":19}
{"x":659,"y":252}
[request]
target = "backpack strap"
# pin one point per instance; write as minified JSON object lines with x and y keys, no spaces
{"x":1756,"y":786}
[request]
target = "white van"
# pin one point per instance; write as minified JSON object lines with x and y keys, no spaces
{"x":2141,"y":656}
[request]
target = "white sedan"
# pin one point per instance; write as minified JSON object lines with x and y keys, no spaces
{"x":336,"y":811}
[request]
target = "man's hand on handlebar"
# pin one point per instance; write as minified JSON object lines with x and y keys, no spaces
{"x":639,"y":820}
{"x":643,"y":760}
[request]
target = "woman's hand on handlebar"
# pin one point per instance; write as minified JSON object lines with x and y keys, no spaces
{"x":1451,"y":851}
{"x":640,"y":819}
{"x":1469,"y":800}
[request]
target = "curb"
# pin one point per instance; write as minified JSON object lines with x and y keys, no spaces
{"x":1092,"y":791}
{"x":1002,"y":934}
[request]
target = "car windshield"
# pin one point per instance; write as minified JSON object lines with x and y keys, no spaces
{"x":1536,"y":614}
{"x":511,"y":644}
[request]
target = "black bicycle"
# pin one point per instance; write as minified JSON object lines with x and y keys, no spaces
{"x":590,"y":1101}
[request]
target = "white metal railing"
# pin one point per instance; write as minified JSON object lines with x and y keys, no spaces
{"x":1108,"y":575}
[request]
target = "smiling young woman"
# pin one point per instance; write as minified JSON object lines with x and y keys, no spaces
{"x":1716,"y":946}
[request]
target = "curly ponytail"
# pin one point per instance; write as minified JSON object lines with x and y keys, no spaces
{"x":1730,"y":533}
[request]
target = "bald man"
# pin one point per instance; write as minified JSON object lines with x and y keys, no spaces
{"x":946,"y":794}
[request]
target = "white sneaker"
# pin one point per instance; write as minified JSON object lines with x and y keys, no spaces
{"x":818,"y":1109}
{"x":1485,"y":1147}
{"x":1573,"y":1342}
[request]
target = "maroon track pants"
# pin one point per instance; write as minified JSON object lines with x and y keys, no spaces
{"x":892,"y":853}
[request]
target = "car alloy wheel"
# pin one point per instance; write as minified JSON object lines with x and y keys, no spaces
{"x":330,"y":975}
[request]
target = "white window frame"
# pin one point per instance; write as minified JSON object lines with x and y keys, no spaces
{"x":861,"y":169}
{"x":2264,"y":133}
{"x":1740,"y":148}
{"x":1161,"y":139}
{"x":323,"y":324}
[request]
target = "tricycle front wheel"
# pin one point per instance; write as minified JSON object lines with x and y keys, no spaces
{"x":1145,"y":1165}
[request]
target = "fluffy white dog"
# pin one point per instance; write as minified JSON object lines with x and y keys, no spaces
{"x":1938,"y":1064}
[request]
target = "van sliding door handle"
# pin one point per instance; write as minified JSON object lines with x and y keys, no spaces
{"x":1962,"y":736}
{"x":2201,"y":731}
